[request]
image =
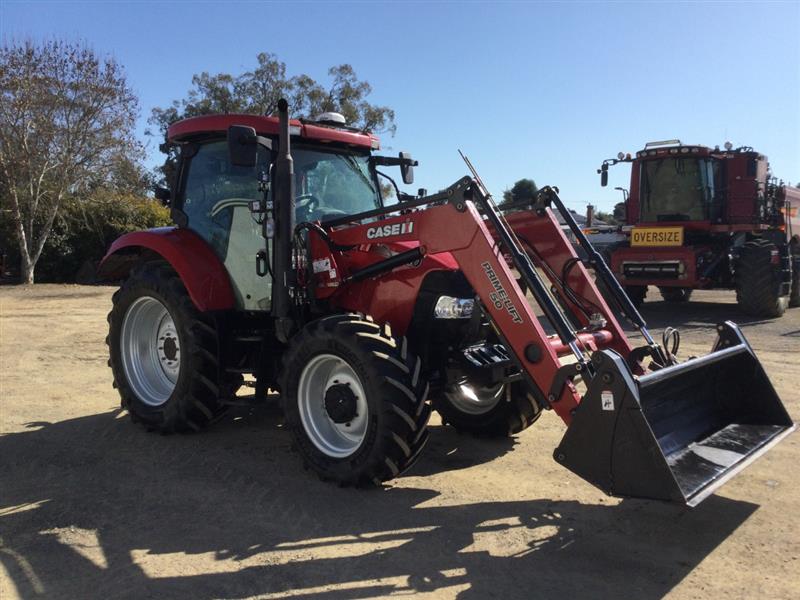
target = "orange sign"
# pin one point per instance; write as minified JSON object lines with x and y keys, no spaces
{"x":657,"y":236}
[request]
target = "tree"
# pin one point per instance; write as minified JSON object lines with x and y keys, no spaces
{"x":605,"y":217}
{"x":258,"y":92}
{"x":523,"y":192}
{"x":67,"y":122}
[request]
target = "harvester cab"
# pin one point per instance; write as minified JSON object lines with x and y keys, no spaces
{"x":377,"y":315}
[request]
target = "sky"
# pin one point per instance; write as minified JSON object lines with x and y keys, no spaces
{"x":544,"y":90}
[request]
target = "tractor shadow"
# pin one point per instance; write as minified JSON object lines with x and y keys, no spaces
{"x":449,"y":450}
{"x":94,"y":507}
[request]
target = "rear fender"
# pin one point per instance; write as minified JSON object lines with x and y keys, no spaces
{"x":201,"y":272}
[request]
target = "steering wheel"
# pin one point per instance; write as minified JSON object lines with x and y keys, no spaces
{"x":306,"y":201}
{"x":312,"y":209}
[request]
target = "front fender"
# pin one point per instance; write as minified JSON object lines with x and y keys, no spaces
{"x":201,"y":272}
{"x":392,"y":297}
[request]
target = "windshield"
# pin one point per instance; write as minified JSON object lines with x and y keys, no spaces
{"x":676,"y":189}
{"x":329,"y":185}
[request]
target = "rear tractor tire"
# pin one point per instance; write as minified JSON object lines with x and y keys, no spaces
{"x":163,"y":352}
{"x":502,"y":410}
{"x":675,"y":294}
{"x":354,"y":400}
{"x":758,"y":281}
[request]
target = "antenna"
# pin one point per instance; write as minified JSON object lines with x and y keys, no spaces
{"x":477,"y":177}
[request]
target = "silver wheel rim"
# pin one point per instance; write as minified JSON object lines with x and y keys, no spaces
{"x":337,"y":440}
{"x":474,"y":400}
{"x":151,"y":353}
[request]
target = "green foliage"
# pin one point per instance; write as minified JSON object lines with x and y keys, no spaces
{"x":613,"y":218}
{"x":606,"y":217}
{"x":258,"y":91}
{"x":522,"y":193}
{"x":87,"y":227}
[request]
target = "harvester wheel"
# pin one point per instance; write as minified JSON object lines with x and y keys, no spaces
{"x":794,"y":295}
{"x":499,"y":411}
{"x":636,"y":293}
{"x":354,"y":400}
{"x":163,"y":352}
{"x":758,"y":281}
{"x":675,"y":294}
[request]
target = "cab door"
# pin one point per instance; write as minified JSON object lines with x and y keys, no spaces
{"x":215,"y":199}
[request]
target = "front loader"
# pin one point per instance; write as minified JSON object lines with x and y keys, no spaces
{"x":366,"y":317}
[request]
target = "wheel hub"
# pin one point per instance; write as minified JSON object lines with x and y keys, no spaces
{"x":341,"y":403}
{"x":475,"y":399}
{"x":168,"y":348}
{"x":150,"y":350}
{"x":333,"y":406}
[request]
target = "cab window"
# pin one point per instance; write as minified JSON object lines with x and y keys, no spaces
{"x":212,"y":187}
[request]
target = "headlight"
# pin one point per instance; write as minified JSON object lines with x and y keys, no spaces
{"x":448,"y":307}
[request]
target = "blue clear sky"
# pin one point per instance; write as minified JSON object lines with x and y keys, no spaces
{"x":540,"y":90}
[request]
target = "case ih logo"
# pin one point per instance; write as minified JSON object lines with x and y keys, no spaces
{"x":499,"y":297}
{"x":387,"y":230}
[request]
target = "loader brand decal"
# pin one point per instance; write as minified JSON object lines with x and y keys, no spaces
{"x":387,"y":230}
{"x":500,"y":297}
{"x":657,"y":236}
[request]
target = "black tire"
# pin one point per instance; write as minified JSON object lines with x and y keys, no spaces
{"x":794,"y":295}
{"x":758,"y":280}
{"x":675,"y":294}
{"x":515,"y":411}
{"x":194,"y":401}
{"x":395,"y":394}
{"x":636,"y":293}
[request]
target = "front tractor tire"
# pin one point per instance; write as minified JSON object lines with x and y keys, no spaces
{"x":354,"y":400}
{"x":502,"y":410}
{"x":163,"y":352}
{"x":758,"y":280}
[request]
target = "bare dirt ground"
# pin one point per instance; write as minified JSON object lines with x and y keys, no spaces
{"x":93,"y":507}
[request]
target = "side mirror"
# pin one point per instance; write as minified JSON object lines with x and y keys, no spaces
{"x":242,"y":146}
{"x":163,"y":195}
{"x":407,"y":168}
{"x":604,"y":175}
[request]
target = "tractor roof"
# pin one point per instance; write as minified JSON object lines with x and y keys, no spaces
{"x":266,"y":126}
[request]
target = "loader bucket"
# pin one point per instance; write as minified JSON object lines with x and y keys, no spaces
{"x":678,"y":433}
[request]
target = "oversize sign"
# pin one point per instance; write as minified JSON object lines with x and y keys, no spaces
{"x":657,"y":236}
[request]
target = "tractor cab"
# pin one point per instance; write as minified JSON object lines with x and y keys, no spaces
{"x":335,"y":175}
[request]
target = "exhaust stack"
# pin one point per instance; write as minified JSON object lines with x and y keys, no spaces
{"x":284,"y":227}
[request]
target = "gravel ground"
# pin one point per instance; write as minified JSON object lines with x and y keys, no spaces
{"x":91,"y":506}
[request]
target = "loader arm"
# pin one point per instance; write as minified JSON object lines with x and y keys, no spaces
{"x":457,"y":227}
{"x":674,"y":431}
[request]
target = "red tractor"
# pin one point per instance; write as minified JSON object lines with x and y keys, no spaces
{"x":702,"y":218}
{"x":286,"y":265}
